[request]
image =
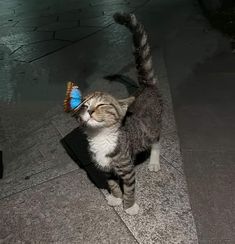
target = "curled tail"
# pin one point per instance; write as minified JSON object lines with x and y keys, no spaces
{"x":142,"y":52}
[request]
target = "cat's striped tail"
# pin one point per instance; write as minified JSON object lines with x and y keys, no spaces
{"x":142,"y":51}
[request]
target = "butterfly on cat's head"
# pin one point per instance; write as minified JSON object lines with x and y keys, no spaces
{"x":73,"y":98}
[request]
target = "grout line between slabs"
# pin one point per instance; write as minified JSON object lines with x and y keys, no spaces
{"x":38,"y":184}
{"x":117,"y":214}
{"x":176,"y":168}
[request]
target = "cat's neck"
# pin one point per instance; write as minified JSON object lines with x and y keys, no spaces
{"x":104,"y":132}
{"x":102,"y":143}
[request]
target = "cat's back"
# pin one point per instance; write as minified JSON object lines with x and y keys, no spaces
{"x":142,"y":124}
{"x":147,"y":104}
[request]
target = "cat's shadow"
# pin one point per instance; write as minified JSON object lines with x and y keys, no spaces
{"x":76,"y":144}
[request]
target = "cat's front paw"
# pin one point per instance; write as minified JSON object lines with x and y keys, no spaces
{"x":113,"y":201}
{"x":133,"y":210}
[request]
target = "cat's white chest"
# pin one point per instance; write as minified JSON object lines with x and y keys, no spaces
{"x":101,"y":145}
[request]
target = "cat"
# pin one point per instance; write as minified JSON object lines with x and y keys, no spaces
{"x":117,"y":130}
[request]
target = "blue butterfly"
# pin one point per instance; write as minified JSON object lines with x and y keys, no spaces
{"x":73,"y":97}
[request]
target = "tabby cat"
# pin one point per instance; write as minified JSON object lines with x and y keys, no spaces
{"x":118,"y":130}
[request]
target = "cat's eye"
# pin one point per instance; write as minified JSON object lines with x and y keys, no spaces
{"x":84,"y":106}
{"x":102,"y":104}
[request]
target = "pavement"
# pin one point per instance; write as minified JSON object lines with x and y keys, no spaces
{"x":49,"y":192}
{"x":200,"y":65}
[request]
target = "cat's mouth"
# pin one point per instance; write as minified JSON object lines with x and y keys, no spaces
{"x":92,"y":122}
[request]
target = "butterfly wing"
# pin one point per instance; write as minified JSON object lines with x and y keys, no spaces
{"x":67,"y":96}
{"x":73,"y":97}
{"x":75,"y":93}
{"x":74,"y":103}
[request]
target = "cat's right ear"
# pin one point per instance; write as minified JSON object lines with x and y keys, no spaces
{"x":125,"y":103}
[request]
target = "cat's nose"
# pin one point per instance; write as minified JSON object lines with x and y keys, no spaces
{"x":90,"y":111}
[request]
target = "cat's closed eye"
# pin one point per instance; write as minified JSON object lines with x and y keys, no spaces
{"x":84,"y":106}
{"x":102,"y":105}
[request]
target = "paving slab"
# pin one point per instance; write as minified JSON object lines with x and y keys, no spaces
{"x":98,"y":21}
{"x":170,"y":150}
{"x":212,"y":197}
{"x":36,"y":158}
{"x":75,"y":34}
{"x":6,"y":31}
{"x":200,"y":67}
{"x":224,"y":63}
{"x":165,"y":214}
{"x":213,"y":241}
{"x":35,"y":22}
{"x":58,"y":25}
{"x":68,"y":209}
{"x":34,"y":51}
{"x":205,"y":112}
{"x":19,"y":120}
{"x":13,"y":42}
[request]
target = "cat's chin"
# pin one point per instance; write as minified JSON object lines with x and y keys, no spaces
{"x":93,"y":124}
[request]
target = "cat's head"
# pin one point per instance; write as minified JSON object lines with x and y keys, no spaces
{"x":102,"y":110}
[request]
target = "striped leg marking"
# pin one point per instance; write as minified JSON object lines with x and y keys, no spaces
{"x":115,"y":198}
{"x":129,"y":204}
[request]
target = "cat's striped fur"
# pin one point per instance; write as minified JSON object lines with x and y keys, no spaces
{"x":119,"y":129}
{"x":143,"y":58}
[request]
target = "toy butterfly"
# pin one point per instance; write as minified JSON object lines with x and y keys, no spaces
{"x":73,"y":97}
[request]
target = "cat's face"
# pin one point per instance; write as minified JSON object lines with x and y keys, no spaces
{"x":102,"y":110}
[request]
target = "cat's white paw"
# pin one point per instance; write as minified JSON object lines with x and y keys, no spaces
{"x":133,"y":210}
{"x":113,"y":201}
{"x":154,"y":167}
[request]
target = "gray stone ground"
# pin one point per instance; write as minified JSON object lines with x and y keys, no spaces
{"x":44,"y":196}
{"x":200,"y":66}
{"x":52,"y":200}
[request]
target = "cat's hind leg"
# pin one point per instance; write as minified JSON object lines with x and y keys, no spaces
{"x":154,"y":161}
{"x":115,"y":198}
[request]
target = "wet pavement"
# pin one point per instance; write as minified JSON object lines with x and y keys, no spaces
{"x":46,"y":195}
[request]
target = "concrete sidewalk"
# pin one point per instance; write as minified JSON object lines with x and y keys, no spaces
{"x":44,"y":189}
{"x":201,"y":70}
{"x":45,"y":196}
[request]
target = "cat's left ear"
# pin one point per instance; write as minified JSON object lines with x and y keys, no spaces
{"x":125,"y":103}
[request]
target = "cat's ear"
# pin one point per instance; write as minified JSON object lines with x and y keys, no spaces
{"x":125,"y":103}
